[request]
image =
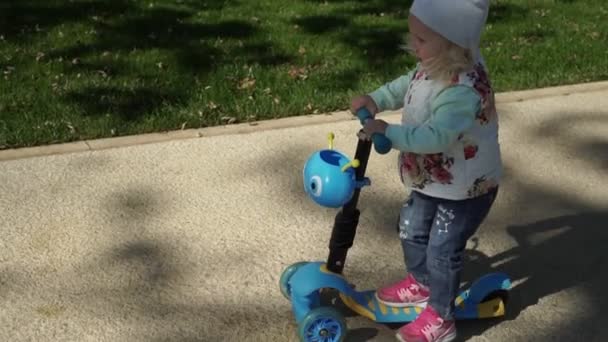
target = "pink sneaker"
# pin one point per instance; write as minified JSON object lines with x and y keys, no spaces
{"x":407,"y":292}
{"x":428,"y":327}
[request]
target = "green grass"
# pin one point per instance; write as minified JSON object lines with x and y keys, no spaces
{"x":82,"y":69}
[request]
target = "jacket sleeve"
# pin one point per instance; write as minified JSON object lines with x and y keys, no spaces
{"x":390,"y":95}
{"x":453,"y":112}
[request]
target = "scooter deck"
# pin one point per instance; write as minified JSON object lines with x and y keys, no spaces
{"x":473,"y":303}
{"x":367,"y":305}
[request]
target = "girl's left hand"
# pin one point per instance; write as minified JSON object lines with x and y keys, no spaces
{"x":375,"y":126}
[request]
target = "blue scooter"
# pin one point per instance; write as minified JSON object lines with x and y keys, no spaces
{"x":332,"y":180}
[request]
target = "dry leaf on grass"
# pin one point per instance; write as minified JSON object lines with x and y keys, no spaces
{"x":228,"y":119}
{"x":298,"y":72}
{"x":71,"y":127}
{"x":246,"y":83}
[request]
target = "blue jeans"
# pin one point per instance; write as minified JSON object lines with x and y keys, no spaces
{"x":434,"y":233}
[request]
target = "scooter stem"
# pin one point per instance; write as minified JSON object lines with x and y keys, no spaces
{"x":347,"y":219}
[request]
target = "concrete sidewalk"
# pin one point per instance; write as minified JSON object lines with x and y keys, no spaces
{"x":184,"y":238}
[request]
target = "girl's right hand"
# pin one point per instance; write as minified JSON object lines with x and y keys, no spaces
{"x":363,"y":101}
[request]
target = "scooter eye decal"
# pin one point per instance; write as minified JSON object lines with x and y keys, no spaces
{"x":316,"y":186}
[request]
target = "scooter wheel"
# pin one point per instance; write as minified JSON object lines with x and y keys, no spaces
{"x":286,"y":276}
{"x":323,"y":324}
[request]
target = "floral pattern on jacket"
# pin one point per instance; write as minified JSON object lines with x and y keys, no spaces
{"x":423,"y":169}
{"x":470,"y":146}
{"x":481,"y":83}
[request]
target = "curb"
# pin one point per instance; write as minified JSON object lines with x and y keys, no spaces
{"x":271,"y":124}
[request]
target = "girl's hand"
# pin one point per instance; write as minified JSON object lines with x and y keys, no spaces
{"x":375,"y":126}
{"x":363,"y":101}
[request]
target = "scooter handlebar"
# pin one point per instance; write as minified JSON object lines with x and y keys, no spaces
{"x":382,"y":144}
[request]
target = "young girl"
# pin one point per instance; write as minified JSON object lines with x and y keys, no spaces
{"x":449,"y":156}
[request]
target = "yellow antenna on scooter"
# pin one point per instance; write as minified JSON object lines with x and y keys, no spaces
{"x":354,"y":164}
{"x":330,"y":138}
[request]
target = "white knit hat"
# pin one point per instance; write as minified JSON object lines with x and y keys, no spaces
{"x":460,"y":21}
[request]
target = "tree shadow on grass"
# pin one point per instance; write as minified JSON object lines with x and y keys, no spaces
{"x":381,"y":46}
{"x":128,"y":105}
{"x":373,"y":6}
{"x":162,"y":50}
{"x":22,"y":20}
{"x":501,"y":12}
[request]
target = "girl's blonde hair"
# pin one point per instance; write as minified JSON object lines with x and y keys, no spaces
{"x":451,"y":60}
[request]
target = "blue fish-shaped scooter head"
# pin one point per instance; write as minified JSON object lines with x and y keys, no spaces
{"x":329,"y":177}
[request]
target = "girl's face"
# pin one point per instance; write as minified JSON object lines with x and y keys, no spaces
{"x":426,"y":42}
